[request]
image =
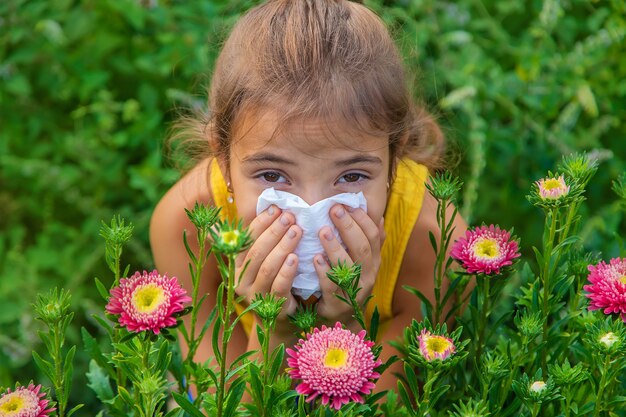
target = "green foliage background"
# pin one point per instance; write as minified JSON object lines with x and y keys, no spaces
{"x":88,"y":89}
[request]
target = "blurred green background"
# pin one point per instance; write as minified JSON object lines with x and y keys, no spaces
{"x":89,"y":88}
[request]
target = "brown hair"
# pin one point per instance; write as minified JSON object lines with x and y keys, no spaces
{"x":327,"y":59}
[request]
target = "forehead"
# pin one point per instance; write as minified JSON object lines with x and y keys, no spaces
{"x":315,"y":136}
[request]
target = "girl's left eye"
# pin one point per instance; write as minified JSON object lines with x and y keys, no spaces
{"x":352,"y":177}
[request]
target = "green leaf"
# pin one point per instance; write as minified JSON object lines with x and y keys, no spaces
{"x":104,"y":293}
{"x":186,"y":405}
{"x":164,"y":356}
{"x":433,"y":241}
{"x":254,"y":378}
{"x":234,"y":397}
{"x":93,"y":349}
{"x":418,"y":294}
{"x":99,"y":382}
{"x":103,"y":323}
{"x":125,"y":395}
{"x":411,"y":379}
{"x":406,"y":398}
{"x":46,"y":367}
{"x":175,"y":412}
{"x":276,"y":360}
{"x":242,"y":357}
{"x":68,"y":372}
{"x":74,"y":409}
{"x":374,"y":322}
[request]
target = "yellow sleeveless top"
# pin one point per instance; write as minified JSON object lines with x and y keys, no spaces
{"x":403,"y":208}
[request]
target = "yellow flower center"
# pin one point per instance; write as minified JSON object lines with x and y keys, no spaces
{"x":486,"y":248}
{"x":335,"y":358}
{"x":437,"y":344}
{"x":13,"y":405}
{"x":231,"y":237}
{"x":148,"y":298}
{"x":552,"y":184}
{"x":622,"y":279}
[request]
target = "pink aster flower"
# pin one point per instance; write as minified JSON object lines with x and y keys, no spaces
{"x":552,"y":188}
{"x":24,"y":402}
{"x":485,"y":250}
{"x":334,"y":363}
{"x":433,"y":346}
{"x":607,"y":288}
{"x":147,"y":301}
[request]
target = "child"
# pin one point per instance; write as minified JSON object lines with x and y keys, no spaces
{"x":309,"y":97}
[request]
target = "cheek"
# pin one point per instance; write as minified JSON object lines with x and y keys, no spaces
{"x":376,"y":205}
{"x":246,"y":200}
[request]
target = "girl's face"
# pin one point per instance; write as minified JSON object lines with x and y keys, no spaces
{"x":308,"y":158}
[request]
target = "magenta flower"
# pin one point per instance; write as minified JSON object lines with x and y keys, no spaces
{"x":552,"y":188}
{"x":334,"y":363}
{"x":147,"y":301}
{"x":433,"y":346}
{"x":24,"y":402}
{"x":607,"y":288}
{"x":485,"y":250}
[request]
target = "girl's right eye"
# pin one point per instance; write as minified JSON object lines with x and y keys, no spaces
{"x":271,"y":176}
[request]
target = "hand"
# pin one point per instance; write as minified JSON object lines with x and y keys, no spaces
{"x":363,"y":240}
{"x":271,"y":263}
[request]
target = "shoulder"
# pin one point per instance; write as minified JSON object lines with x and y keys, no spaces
{"x":169,"y":218}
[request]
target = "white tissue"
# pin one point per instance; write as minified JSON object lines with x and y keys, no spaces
{"x":310,"y":219}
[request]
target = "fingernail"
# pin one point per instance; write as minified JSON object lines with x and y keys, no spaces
{"x":291,"y":233}
{"x":350,"y":209}
{"x":284,"y":220}
{"x":319,"y":260}
{"x":328,"y":235}
{"x":290,"y":260}
{"x":271,"y":210}
{"x":340,"y":213}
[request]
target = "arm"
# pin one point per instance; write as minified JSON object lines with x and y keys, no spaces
{"x":416,"y":271}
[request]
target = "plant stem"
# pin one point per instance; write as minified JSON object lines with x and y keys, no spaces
{"x":195,"y":278}
{"x":547,"y":255}
{"x":604,"y":370}
{"x":568,"y":400}
{"x":266,"y":365}
{"x":535,"y":410}
{"x":441,"y":254}
{"x":230,"y":299}
{"x":430,"y":379}
{"x":118,"y":255}
{"x":483,"y":287}
{"x":58,"y":368}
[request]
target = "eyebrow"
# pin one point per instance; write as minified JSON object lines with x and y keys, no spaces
{"x":265,"y":157}
{"x":359,"y":159}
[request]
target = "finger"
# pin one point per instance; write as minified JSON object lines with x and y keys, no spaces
{"x":267,"y":240}
{"x":333,"y":248}
{"x":375,"y":236}
{"x":263,"y":221}
{"x":358,"y":232}
{"x":281,"y":287}
{"x":274,"y":261}
{"x":258,"y":225}
{"x":326,"y":285}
